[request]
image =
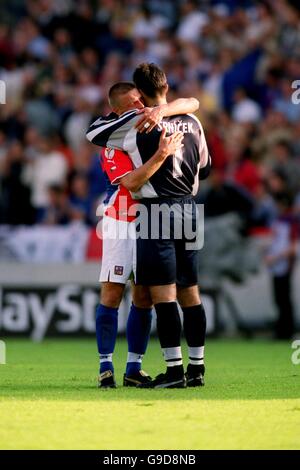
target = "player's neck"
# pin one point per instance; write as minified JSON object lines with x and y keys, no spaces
{"x":152,"y":102}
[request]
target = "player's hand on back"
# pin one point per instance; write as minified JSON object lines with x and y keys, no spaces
{"x":169,"y":145}
{"x":150,"y":117}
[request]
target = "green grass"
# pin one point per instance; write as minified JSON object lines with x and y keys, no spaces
{"x":49,"y":400}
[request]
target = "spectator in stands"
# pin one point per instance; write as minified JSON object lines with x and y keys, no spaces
{"x":285,"y":104}
{"x":58,"y":208}
{"x":223,"y":197}
{"x":77,"y":122}
{"x":245,"y":109}
{"x":241,"y":169}
{"x":277,"y":181}
{"x":80,"y":199}
{"x":284,"y":161}
{"x":191,"y":23}
{"x":15,"y":194}
{"x":280,"y":260}
{"x":264,"y":210}
{"x":48,"y":168}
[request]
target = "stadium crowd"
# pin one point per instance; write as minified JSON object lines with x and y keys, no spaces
{"x":59,"y":58}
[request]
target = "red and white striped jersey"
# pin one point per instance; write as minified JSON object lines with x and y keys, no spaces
{"x":119,"y":203}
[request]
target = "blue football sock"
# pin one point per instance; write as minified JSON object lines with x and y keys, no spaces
{"x":106,"y":333}
{"x":137,"y":332}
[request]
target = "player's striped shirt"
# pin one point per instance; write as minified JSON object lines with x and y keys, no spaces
{"x":179,"y":174}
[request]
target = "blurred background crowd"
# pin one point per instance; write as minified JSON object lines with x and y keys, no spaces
{"x":59,"y":58}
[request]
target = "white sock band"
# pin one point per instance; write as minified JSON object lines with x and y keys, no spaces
{"x":196,"y":356}
{"x":173,"y":356}
{"x":133,"y":357}
{"x":105,"y":358}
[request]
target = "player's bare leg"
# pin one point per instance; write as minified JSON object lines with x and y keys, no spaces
{"x":141,"y":296}
{"x":111,"y":294}
{"x":194,"y":326}
{"x":188,"y":296}
{"x":163,"y":293}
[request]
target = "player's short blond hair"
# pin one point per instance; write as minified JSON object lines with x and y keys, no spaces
{"x":117,"y":90}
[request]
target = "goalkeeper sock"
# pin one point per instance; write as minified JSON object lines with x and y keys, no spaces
{"x":106,"y":333}
{"x":169,"y":332}
{"x":194,"y":325}
{"x":137,"y":332}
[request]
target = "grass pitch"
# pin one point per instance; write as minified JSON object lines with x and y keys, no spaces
{"x":49,"y":400}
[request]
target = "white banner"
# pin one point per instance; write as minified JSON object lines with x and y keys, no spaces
{"x":45,"y":244}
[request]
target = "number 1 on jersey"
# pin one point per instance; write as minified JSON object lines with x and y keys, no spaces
{"x":177,"y":162}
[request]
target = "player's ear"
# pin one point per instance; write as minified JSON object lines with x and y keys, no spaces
{"x":167,"y":88}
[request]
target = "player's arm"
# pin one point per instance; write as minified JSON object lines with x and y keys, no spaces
{"x":205,"y":158}
{"x":152,"y":116}
{"x":110,"y":131}
{"x":116,"y":164}
{"x":134,"y":180}
{"x":205,"y":171}
{"x":101,"y":130}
